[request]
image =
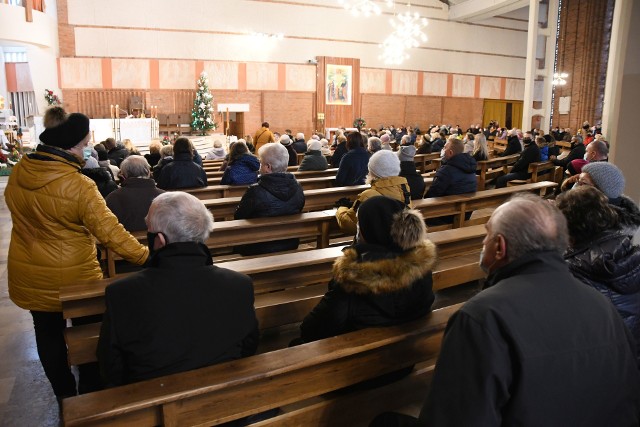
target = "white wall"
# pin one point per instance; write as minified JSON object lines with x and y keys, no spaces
{"x":3,"y":79}
{"x":205,"y":30}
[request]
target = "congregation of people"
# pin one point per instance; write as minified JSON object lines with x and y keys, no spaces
{"x":552,"y":339}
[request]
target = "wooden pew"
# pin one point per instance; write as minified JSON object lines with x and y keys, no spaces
{"x":287,"y":286}
{"x":540,"y":171}
{"x":498,"y":145}
{"x":215,"y":172}
{"x":459,"y":205}
{"x":424,"y":162}
{"x":493,"y":168}
{"x":221,"y":191}
{"x":315,"y":200}
{"x":299,"y":175}
{"x":232,"y":390}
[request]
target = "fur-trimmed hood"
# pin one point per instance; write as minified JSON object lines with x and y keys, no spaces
{"x":628,"y":214}
{"x":363,"y":271}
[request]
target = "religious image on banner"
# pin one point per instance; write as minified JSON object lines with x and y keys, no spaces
{"x":338,"y":84}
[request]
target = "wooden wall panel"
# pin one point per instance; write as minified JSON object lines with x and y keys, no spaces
{"x":338,"y":115}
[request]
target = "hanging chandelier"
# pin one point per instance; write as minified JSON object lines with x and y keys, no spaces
{"x":407,"y":34}
{"x":560,"y":79}
{"x":363,"y":7}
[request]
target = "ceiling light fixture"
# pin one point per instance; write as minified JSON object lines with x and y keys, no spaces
{"x":363,"y":7}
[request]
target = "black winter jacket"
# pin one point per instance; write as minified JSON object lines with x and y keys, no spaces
{"x":530,"y":154}
{"x":299,"y":145}
{"x":182,"y":172}
{"x":178,"y":314}
{"x":373,"y":287}
{"x":338,"y":153}
{"x":628,"y":214}
{"x":313,"y":160}
{"x":117,"y":154}
{"x":456,"y":176}
{"x":537,"y":348}
{"x":513,"y":146}
{"x":611,"y":264}
{"x":414,"y":179}
{"x":353,"y":168}
{"x":577,"y":152}
{"x":437,"y":145}
{"x":275,"y":194}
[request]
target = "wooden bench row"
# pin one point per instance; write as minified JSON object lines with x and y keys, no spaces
{"x":320,"y":225}
{"x":287,"y":286}
{"x":298,"y":380}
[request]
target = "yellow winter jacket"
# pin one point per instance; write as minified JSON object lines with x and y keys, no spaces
{"x":391,"y":187}
{"x":56,"y":212}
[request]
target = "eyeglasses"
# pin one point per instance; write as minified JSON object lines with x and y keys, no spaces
{"x":584,"y":182}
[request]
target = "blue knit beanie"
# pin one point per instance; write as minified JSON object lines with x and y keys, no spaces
{"x":607,"y":178}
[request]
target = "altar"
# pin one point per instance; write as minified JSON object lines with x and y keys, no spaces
{"x":139,"y":131}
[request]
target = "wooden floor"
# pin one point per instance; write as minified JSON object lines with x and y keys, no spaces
{"x":26,"y":398}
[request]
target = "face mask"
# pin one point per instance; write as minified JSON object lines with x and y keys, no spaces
{"x":86,"y":153}
{"x":151,"y":240}
{"x":442,"y":153}
{"x":586,"y":157}
{"x":482,"y":267}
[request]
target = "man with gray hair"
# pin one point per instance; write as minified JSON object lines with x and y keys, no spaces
{"x":130,"y":203}
{"x":181,"y":312}
{"x":536,"y":347}
{"x":276,"y":193}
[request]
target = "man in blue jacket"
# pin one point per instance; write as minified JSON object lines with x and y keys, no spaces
{"x":457,"y":175}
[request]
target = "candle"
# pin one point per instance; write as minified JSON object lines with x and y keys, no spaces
{"x":111,"y":110}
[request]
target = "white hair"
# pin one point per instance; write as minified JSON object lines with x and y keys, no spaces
{"x":181,"y":217}
{"x":275,"y":155}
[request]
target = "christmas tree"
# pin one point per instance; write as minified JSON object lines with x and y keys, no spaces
{"x":202,"y":112}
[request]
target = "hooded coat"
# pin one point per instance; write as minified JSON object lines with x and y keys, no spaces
{"x":58,"y":214}
{"x":372,"y":286}
{"x":628,"y":214}
{"x":275,"y":194}
{"x":395,"y":187}
{"x":242,"y":171}
{"x":611,"y":264}
{"x":313,"y":160}
{"x":457,"y":175}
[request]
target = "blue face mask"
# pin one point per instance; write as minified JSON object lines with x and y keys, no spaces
{"x":86,"y":153}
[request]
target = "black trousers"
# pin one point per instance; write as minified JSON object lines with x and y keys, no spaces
{"x":49,"y":330}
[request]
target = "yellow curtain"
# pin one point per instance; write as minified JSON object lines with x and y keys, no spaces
{"x":494,"y":110}
{"x":516,"y":114}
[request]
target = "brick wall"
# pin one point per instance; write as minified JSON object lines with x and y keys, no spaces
{"x":585,"y":30}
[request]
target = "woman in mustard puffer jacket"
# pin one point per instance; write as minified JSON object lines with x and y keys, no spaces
{"x":58,"y":214}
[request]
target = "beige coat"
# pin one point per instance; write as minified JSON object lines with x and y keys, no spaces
{"x":390,"y":187}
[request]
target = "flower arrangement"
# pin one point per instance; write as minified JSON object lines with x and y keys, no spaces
{"x":359,"y":123}
{"x":51,"y":98}
{"x":165,"y":140}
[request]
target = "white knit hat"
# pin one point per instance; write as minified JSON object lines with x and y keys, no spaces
{"x":314,"y":144}
{"x":384,"y":163}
